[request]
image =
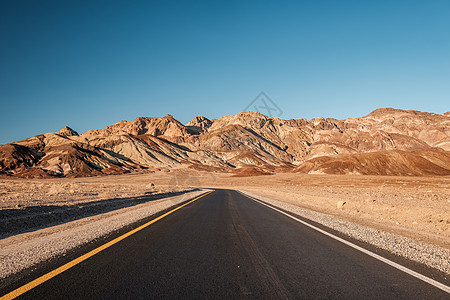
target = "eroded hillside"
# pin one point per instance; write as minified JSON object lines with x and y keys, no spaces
{"x":385,"y":142}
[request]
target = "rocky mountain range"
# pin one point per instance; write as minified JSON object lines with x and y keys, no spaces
{"x":385,"y":142}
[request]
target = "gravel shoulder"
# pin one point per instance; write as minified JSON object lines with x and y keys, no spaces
{"x":430,"y":255}
{"x":24,"y":250}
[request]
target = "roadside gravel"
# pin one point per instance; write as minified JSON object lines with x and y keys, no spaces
{"x":25,"y":250}
{"x":430,"y":255}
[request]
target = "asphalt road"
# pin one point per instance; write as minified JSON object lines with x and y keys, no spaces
{"x":227,"y":246}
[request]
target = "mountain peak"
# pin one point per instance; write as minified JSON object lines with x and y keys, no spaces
{"x":199,"y":124}
{"x":198,"y":121}
{"x":169,"y":117}
{"x":385,"y":111}
{"x":253,"y":114}
{"x":67,"y":131}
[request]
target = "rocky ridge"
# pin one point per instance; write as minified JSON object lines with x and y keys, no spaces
{"x":385,"y":142}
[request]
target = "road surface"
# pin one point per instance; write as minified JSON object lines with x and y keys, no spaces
{"x":227,"y":246}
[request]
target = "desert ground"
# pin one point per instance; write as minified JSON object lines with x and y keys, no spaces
{"x":415,"y":207}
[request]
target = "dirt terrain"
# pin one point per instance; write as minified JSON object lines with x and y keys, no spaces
{"x":416,"y":207}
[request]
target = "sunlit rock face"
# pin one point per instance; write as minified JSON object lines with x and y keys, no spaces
{"x":386,"y":142}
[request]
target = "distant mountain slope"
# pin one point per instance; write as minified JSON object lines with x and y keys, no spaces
{"x":387,"y":141}
{"x":395,"y":162}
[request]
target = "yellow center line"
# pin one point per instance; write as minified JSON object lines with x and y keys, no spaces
{"x":25,"y":288}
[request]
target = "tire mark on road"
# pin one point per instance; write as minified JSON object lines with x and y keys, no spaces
{"x":265,"y":272}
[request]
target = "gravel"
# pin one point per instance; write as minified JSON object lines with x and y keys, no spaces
{"x":430,"y":255}
{"x":16,"y":221}
{"x":57,"y":240}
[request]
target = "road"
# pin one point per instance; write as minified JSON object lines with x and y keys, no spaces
{"x":227,"y":246}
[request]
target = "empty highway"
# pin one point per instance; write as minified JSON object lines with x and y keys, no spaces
{"x":225,"y":245}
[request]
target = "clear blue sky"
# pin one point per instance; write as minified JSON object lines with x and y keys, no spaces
{"x":89,"y":64}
